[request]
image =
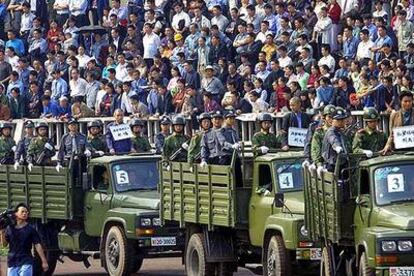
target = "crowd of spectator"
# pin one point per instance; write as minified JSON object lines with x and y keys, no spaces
{"x":84,"y":58}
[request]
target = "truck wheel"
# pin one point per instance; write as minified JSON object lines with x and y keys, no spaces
{"x":364,"y":269}
{"x":224,"y":269}
{"x":49,"y":240}
{"x":276,"y":258}
{"x":326,"y":268}
{"x":195,"y":257}
{"x":136,"y":264}
{"x":118,"y":260}
{"x":52,"y":258}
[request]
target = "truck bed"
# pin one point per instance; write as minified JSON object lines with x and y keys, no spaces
{"x":48,"y":193}
{"x":206,"y":196}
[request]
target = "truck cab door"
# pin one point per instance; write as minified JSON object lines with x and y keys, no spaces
{"x":97,"y":202}
{"x":363,"y":203}
{"x":261,"y":201}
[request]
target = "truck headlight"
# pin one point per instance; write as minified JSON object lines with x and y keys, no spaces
{"x":405,"y":246}
{"x":303,"y":231}
{"x":388,"y":246}
{"x":145,"y":222}
{"x":156,"y":221}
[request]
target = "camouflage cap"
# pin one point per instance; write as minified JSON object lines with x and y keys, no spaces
{"x":371,"y":114}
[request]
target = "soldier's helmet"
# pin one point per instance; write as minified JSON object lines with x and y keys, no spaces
{"x":329,"y":110}
{"x":5,"y":125}
{"x":203,"y":116}
{"x":340,"y":114}
{"x":95,"y":123}
{"x":371,"y":114}
{"x":73,"y":121}
{"x":136,"y":122}
{"x":264,"y":117}
{"x":178,"y":120}
{"x":165,"y":120}
{"x":29,"y":124}
{"x":217,"y":114}
{"x":230,"y":114}
{"x":42,"y":124}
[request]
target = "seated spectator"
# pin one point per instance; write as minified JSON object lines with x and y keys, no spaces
{"x":63,"y":109}
{"x":17,"y":104}
{"x":79,"y":109}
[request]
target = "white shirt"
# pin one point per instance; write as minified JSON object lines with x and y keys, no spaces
{"x":121,"y":72}
{"x":262,"y":36}
{"x":14,"y":62}
{"x":347,"y":5}
{"x":363,"y":50}
{"x":78,"y":7}
{"x":121,"y":13}
{"x":286,"y":61}
{"x":178,"y":17}
{"x":62,"y":3}
{"x":83,"y":60}
{"x":259,"y":106}
{"x":151,"y":44}
{"x":26,"y":22}
{"x":78,"y":87}
{"x":99,"y":97}
{"x":221,"y":21}
{"x":329,"y":61}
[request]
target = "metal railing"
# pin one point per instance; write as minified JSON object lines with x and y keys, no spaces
{"x":246,"y":125}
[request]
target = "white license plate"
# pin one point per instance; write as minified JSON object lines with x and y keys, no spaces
{"x":165,"y":241}
{"x":315,"y":253}
{"x":402,"y":271}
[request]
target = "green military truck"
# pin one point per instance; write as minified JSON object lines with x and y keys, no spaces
{"x":364,"y":215}
{"x":108,"y":209}
{"x":227,"y":224}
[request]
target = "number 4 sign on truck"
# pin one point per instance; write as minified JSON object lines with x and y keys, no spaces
{"x":121,"y":132}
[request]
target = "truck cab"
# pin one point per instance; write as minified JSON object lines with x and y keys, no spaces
{"x":105,"y":208}
{"x":384,"y":215}
{"x":276,"y":212}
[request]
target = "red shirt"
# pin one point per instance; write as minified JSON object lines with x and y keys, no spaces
{"x":334,"y":13}
{"x":280,"y":99}
{"x":50,"y":34}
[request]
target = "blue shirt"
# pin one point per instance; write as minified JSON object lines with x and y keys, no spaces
{"x":60,"y":111}
{"x":49,"y":109}
{"x":350,"y":47}
{"x":59,"y":89}
{"x":17,"y":45}
{"x":12,"y":85}
{"x":341,"y":73}
{"x":325,"y":94}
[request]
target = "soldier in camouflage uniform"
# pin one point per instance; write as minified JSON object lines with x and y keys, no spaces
{"x":139,"y":142}
{"x":7,"y":144}
{"x":177,"y":143}
{"x":263,"y":140}
{"x":23,"y":145}
{"x":96,"y":138}
{"x":194,"y":149}
{"x":316,"y":142}
{"x":335,"y":141}
{"x":369,"y":139}
{"x":41,"y":148}
{"x":159,"y":139}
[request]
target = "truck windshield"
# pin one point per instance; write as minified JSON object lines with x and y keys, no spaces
{"x":132,"y":176}
{"x":394,"y":184}
{"x":289,"y":175}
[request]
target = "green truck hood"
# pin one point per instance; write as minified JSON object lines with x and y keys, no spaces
{"x":295,"y":205}
{"x":400,"y":216}
{"x":149,"y":200}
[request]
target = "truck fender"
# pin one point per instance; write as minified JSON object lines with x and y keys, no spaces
{"x":115,"y":220}
{"x":363,"y":246}
{"x":220,"y":246}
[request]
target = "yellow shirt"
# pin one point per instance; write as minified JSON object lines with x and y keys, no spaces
{"x":269,"y":50}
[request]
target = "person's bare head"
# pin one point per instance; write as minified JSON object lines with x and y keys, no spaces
{"x":119,"y":115}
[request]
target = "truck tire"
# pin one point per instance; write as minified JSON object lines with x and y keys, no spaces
{"x":120,"y":258}
{"x":326,"y":268}
{"x":195,"y":257}
{"x":136,"y":264}
{"x":364,"y":269}
{"x":52,"y":258}
{"x":276,"y":258}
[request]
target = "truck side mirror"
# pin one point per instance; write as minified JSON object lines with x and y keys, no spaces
{"x":279,"y":201}
{"x":86,"y":180}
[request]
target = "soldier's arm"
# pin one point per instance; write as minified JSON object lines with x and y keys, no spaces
{"x":19,"y":151}
{"x":147,"y":146}
{"x":256,"y":145}
{"x":205,"y":153}
{"x":316,"y":149}
{"x":30,"y":152}
{"x":158,"y":144}
{"x":191,"y":150}
{"x":50,"y":153}
{"x":357,"y":143}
